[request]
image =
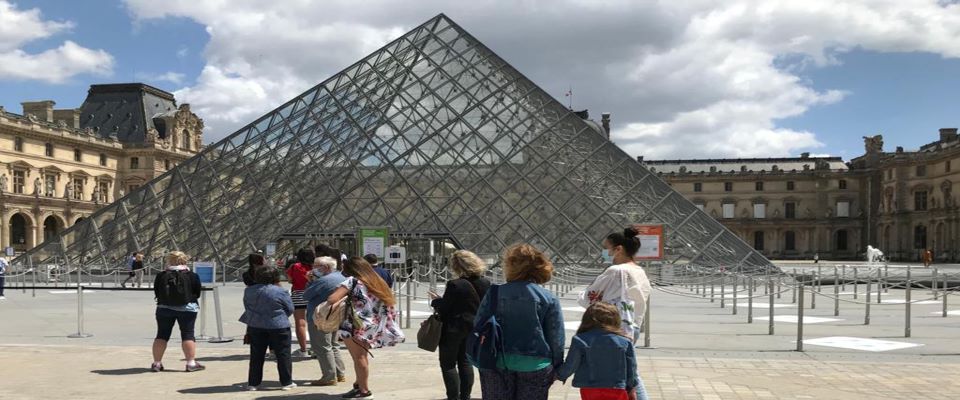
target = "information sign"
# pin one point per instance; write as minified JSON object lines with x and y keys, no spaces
{"x":396,"y":255}
{"x":651,"y":243}
{"x":372,"y":241}
{"x":206,"y":270}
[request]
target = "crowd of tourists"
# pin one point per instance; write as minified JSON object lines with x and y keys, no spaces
{"x":513,"y":332}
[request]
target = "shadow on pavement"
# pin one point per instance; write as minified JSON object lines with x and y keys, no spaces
{"x":235,"y":388}
{"x":305,"y":396}
{"x":123,"y":371}
{"x":232,"y":357}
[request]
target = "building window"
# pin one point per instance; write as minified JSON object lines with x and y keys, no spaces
{"x":18,"y":144}
{"x":50,"y":185}
{"x":697,"y":187}
{"x":789,"y":241}
{"x":78,"y":188}
{"x":134,"y":162}
{"x":842,"y":240}
{"x":946,"y":166}
{"x":700,"y":206}
{"x":19,"y":181}
{"x":920,"y":237}
{"x":759,"y":186}
{"x":759,"y":210}
{"x":77,"y":155}
{"x":728,"y":186}
{"x":103,"y":191}
{"x":48,"y":150}
{"x":790,"y":210}
{"x":758,"y":240}
{"x":842,"y":184}
{"x":843,"y":209}
{"x":920,"y":200}
{"x":889,"y":174}
{"x":789,"y":185}
{"x":728,"y":209}
{"x":103,"y":160}
{"x":921,"y":170}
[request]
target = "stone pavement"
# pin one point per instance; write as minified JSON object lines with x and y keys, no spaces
{"x":120,"y":372}
{"x":701,"y":351}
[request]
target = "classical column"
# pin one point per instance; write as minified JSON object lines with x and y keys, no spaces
{"x":5,"y":232}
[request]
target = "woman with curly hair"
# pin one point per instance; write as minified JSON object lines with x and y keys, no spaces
{"x":532,"y":324}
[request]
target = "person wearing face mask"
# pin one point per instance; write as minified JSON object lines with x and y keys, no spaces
{"x":623,"y":284}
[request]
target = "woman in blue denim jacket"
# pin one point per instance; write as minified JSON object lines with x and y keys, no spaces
{"x":532,"y":324}
{"x":602,"y":357}
{"x":266,"y":311}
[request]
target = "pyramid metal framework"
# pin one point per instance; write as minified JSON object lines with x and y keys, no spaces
{"x":431,"y":133}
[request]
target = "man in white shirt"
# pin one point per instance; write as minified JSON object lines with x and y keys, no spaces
{"x":3,"y":272}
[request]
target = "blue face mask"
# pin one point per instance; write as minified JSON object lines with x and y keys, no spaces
{"x":607,"y":257}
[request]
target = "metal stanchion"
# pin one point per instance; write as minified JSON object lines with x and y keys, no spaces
{"x":813,"y":295}
{"x":800,"y":317}
{"x":945,"y":297}
{"x":736,"y":279}
{"x":203,"y":317}
{"x":843,"y":274}
{"x":771,"y":308}
{"x":80,"y":333}
{"x":906,"y":330}
{"x":216,"y":304}
{"x":750,"y":301}
{"x":933,"y":284}
{"x":836,"y":292}
{"x":723,"y":292}
{"x":866,"y":315}
{"x":34,"y":273}
{"x":793,"y":289}
{"x":408,"y":303}
{"x":779,"y":287}
{"x":646,"y":326}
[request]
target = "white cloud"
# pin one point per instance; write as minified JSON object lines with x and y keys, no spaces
{"x":683,"y":79}
{"x":175,"y":78}
{"x":18,"y":27}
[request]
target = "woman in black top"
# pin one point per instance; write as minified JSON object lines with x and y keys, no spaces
{"x":457,"y":309}
{"x":254,"y":261}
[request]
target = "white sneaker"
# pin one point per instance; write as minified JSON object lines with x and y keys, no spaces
{"x":288,"y":387}
{"x":250,"y":388}
{"x":299,"y":354}
{"x":3,"y":298}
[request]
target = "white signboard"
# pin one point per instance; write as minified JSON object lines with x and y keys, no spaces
{"x":373,"y":245}
{"x":396,"y":255}
{"x":271,"y":249}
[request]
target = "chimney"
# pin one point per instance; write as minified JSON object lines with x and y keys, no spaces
{"x":948,"y":134}
{"x":43,"y":110}
{"x":70,"y":117}
{"x":605,"y":122}
{"x":804,"y":155}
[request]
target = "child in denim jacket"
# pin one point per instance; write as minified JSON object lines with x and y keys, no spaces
{"x":602,"y":357}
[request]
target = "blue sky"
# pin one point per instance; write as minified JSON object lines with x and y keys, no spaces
{"x":737,"y":80}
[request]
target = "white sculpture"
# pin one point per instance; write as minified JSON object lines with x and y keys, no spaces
{"x":874,"y":254}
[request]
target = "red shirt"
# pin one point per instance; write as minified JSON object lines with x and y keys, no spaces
{"x":297,"y":273}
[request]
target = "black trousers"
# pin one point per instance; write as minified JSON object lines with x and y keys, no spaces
{"x":277,"y":340}
{"x":457,"y":371}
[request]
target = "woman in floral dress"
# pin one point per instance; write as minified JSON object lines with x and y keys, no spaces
{"x":371,"y":320}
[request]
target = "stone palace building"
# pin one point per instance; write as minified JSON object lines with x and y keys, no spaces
{"x":796,"y":208}
{"x":60,"y":165}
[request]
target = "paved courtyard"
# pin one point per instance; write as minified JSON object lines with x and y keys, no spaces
{"x":700,"y":352}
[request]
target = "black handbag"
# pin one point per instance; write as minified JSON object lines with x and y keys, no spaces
{"x":428,"y":337}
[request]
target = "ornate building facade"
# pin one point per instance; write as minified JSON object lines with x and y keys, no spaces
{"x":60,"y":165}
{"x":796,"y":208}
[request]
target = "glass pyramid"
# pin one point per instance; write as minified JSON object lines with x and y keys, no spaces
{"x":431,"y":133}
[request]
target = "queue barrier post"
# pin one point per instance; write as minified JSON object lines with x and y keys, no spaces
{"x":906,"y":330}
{"x":80,"y":333}
{"x":800,"y":316}
{"x":771,"y":308}
{"x":866,"y":316}
{"x":219,"y":316}
{"x":203,"y":317}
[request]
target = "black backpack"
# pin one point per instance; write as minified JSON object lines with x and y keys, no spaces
{"x":174,"y":288}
